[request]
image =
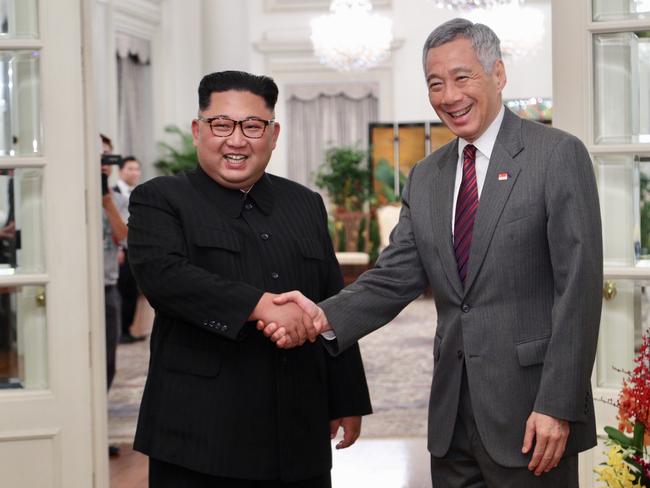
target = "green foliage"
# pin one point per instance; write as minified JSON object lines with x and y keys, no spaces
{"x":384,"y":175}
{"x":175,"y":160}
{"x":344,"y":177}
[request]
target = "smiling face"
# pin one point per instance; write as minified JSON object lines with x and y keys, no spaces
{"x":235,"y":161}
{"x":465,"y":97}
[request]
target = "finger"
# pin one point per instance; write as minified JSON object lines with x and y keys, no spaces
{"x":279,"y":333}
{"x":290,"y":296}
{"x":302,"y":334}
{"x":350,"y":436}
{"x":557,"y":455}
{"x":529,"y":436}
{"x":260,"y":325}
{"x":270,"y":329}
{"x":309,"y":328}
{"x":547,"y":458}
{"x":538,"y":455}
{"x":283,"y":343}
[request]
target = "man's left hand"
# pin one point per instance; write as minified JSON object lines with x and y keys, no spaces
{"x":351,"y":430}
{"x":550,"y":436}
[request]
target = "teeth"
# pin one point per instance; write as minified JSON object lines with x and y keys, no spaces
{"x":235,"y":157}
{"x":460,"y":112}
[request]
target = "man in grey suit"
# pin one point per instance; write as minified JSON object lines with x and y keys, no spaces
{"x":503,"y":223}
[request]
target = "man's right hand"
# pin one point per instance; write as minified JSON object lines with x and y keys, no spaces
{"x":314,"y":320}
{"x":288,"y":318}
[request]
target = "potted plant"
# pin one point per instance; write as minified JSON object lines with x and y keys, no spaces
{"x":176,"y":160}
{"x":346,"y":178}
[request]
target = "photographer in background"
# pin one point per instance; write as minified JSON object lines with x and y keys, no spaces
{"x":114,"y":230}
{"x":129,"y":177}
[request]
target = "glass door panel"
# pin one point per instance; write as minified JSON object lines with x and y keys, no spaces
{"x":20,"y":121}
{"x":23,"y":338}
{"x":622,"y":88}
{"x":626,"y":315}
{"x":18,"y":19}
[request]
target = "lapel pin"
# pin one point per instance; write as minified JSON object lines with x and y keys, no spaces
{"x":503,"y":176}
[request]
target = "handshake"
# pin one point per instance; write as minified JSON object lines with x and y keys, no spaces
{"x":289,"y":319}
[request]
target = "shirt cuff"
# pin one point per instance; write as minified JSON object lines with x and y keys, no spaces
{"x":329,"y":335}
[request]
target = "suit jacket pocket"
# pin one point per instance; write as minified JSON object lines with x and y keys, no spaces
{"x":184,"y":359}
{"x":218,"y":238}
{"x":311,"y":249}
{"x":532,"y":351}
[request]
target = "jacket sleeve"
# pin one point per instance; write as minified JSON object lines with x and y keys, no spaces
{"x":159,"y":259}
{"x":346,"y":378}
{"x":575,"y":245}
{"x":380,"y":293}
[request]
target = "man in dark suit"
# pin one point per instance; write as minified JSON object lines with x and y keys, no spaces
{"x":503,"y":223}
{"x":210,"y":248}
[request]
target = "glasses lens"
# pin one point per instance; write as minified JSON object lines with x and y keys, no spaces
{"x":253,"y":128}
{"x":222,"y":127}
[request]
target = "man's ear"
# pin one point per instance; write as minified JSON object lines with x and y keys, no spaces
{"x":195,"y":131}
{"x":499,"y":72}
{"x":276,"y":133}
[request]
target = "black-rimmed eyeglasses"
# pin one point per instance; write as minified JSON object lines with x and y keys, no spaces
{"x":251,"y":127}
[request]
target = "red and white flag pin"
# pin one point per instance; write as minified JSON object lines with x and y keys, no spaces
{"x":503,"y":176}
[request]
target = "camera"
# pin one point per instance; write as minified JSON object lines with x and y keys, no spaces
{"x":108,"y":159}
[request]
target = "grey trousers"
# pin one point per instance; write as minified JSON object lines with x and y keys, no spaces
{"x":468,"y":465}
{"x":112,"y":313}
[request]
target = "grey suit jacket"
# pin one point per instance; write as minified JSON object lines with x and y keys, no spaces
{"x":525,"y":325}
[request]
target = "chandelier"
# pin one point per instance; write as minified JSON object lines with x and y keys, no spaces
{"x":470,"y":4}
{"x":351,"y":37}
{"x":520,"y":29}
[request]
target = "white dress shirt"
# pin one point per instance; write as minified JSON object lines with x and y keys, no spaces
{"x":484,"y":146}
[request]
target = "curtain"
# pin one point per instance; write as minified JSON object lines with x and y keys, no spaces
{"x":135,"y":120}
{"x":322,"y":116}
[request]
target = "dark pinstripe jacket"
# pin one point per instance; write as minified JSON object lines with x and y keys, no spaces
{"x":220,"y":398}
{"x":525,"y":324}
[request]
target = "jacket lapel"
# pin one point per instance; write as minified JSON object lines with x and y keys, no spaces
{"x":495,"y":192}
{"x":442,"y":204}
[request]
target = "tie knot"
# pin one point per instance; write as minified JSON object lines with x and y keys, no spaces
{"x":469,"y":152}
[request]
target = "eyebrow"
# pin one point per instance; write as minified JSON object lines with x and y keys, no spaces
{"x":454,"y":71}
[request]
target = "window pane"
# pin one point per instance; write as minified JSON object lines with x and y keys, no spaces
{"x":626,"y":315}
{"x":20,"y":123}
{"x":622,"y":88}
{"x":18,"y":18}
{"x":23,"y":338}
{"x":620,"y":9}
{"x":21,"y":239}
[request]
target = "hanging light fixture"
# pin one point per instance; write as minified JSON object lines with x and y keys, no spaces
{"x":351,"y":37}
{"x":470,"y":4}
{"x":520,"y":29}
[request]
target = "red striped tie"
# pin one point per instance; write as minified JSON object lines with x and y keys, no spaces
{"x":466,"y":206}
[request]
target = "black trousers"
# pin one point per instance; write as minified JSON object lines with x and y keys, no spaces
{"x":112,"y":318}
{"x":129,"y":292}
{"x":166,"y":475}
{"x":468,"y":465}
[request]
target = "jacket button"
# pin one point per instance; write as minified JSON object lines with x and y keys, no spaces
{"x":465,"y":308}
{"x":248,"y":206}
{"x":265,"y":236}
{"x":275,"y":275}
{"x":459,"y":353}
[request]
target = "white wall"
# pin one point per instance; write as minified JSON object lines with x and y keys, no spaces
{"x":200,"y":36}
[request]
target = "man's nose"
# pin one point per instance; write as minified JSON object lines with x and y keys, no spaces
{"x":451,"y":94}
{"x":237,"y":138}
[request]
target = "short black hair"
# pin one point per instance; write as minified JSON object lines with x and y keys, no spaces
{"x":106,"y":140}
{"x":127,"y":159}
{"x":222,"y":81}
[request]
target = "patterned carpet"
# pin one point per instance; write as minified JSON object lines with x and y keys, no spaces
{"x":398,"y":360}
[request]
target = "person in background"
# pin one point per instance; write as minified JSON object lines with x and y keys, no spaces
{"x":114,"y":230}
{"x":129,"y":176}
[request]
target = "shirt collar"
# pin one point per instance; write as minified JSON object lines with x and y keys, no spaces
{"x":231,"y":201}
{"x":485,"y":143}
{"x":124,"y":187}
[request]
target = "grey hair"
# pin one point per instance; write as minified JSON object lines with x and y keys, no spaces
{"x":485,"y":42}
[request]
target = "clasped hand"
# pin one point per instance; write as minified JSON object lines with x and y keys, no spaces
{"x":290,"y":319}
